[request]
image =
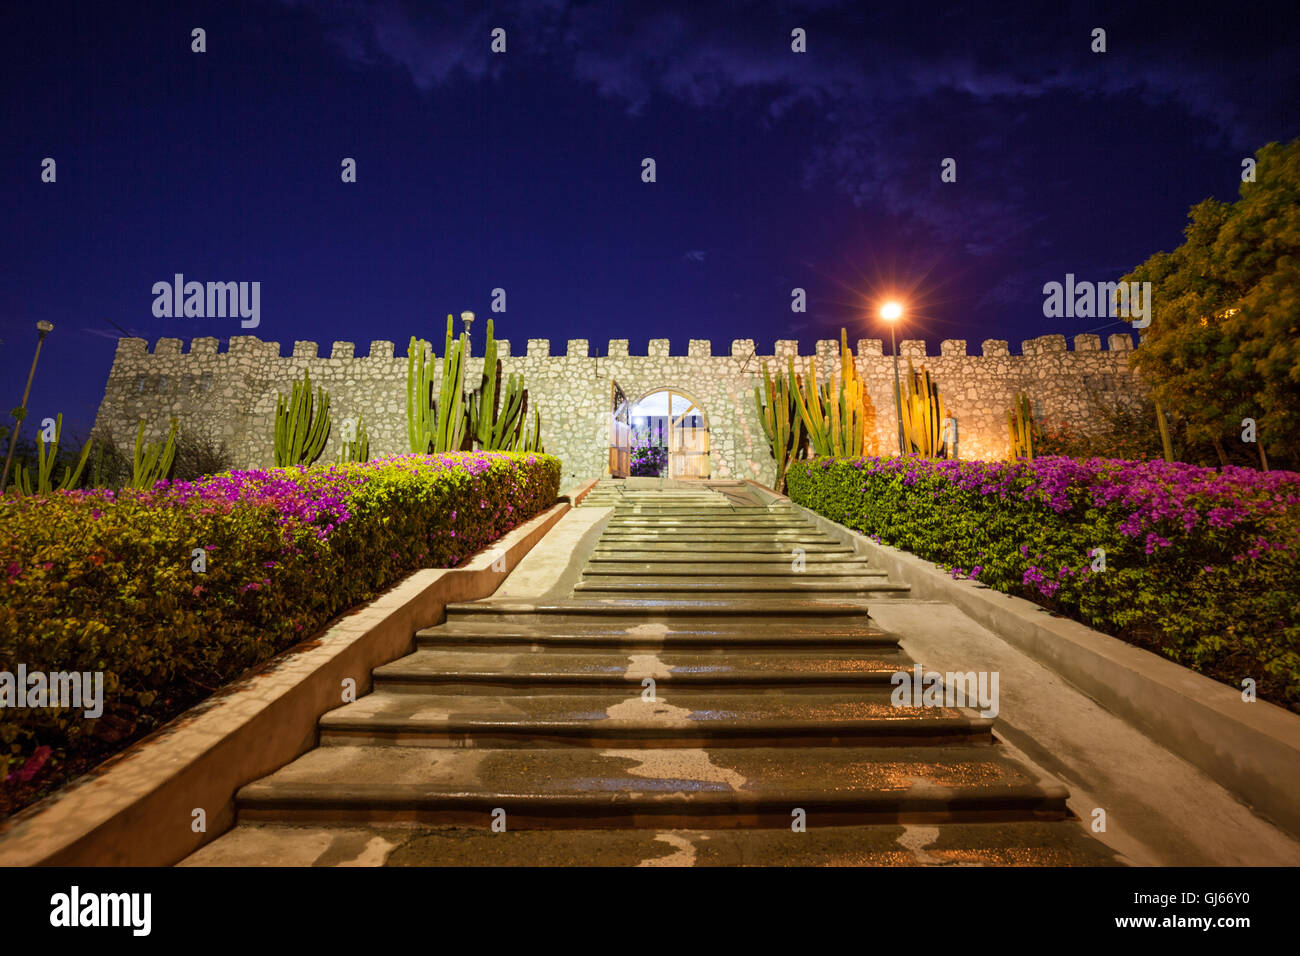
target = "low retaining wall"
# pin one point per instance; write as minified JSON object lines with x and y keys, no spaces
{"x":138,"y":809}
{"x":1252,"y":749}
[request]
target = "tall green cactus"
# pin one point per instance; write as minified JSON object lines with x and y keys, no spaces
{"x":419,"y":396}
{"x":778,"y":413}
{"x":1022,"y":427}
{"x":532,"y":439}
{"x":358,"y":449}
{"x":45,"y":467}
{"x":301,"y":428}
{"x":497,"y":428}
{"x":451,"y":413}
{"x":923,"y":415}
{"x":152,"y":462}
{"x":839,"y":414}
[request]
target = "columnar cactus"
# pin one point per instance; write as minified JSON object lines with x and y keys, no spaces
{"x":838,"y":415}
{"x":152,"y":462}
{"x":532,"y":440}
{"x":451,"y":414}
{"x":1020,"y":423}
{"x":780,"y":418}
{"x":358,"y":448}
{"x":419,"y":396}
{"x":300,"y":427}
{"x":923,"y":415}
{"x":45,"y":467}
{"x":497,"y":429}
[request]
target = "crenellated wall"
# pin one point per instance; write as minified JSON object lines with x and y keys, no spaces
{"x":233,"y":393}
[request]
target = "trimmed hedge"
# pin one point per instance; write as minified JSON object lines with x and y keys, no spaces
{"x":1201,"y":565}
{"x":104,"y":581}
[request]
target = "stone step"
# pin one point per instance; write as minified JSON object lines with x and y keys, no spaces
{"x":736,"y":539}
{"x":1013,"y":843}
{"x":728,"y":634}
{"x":529,"y":668}
{"x":677,"y":514}
{"x":731,"y":603}
{"x":754,"y":560}
{"x":764,"y":569}
{"x":697,"y":530}
{"x":709,"y":547}
{"x":724,"y":605}
{"x":624,"y":718}
{"x":584,"y":787}
{"x":789,"y":582}
{"x":723,"y":520}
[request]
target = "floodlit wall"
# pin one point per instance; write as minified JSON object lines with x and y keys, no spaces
{"x":232,"y":394}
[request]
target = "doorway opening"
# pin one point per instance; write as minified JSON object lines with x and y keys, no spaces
{"x":669,"y":436}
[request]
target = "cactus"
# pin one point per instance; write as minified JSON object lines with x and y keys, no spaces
{"x":780,"y":418}
{"x":300,"y":428}
{"x":152,"y":462}
{"x":838,"y":414}
{"x":419,"y":394}
{"x":45,"y":467}
{"x":532,"y":440}
{"x":1023,"y":428}
{"x":497,"y":428}
{"x":359,"y":448}
{"x":923,"y":415}
{"x":451,"y":414}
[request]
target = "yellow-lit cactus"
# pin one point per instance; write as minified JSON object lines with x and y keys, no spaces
{"x":1022,"y":427}
{"x":924,"y":415}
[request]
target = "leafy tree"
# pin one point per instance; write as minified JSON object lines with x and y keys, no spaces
{"x":1223,"y":344}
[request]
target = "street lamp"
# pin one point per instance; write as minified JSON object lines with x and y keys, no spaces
{"x":891,"y":312}
{"x":44,"y":328}
{"x":467,"y":318}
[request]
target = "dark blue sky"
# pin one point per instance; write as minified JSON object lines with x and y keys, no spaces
{"x":523,"y":170}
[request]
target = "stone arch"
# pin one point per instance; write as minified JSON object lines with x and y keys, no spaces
{"x":683,"y":431}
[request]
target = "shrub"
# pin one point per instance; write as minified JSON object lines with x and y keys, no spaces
{"x":103,"y":581}
{"x":648,"y":461}
{"x":1200,"y":565}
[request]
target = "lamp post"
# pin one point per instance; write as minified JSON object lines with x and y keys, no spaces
{"x":467,"y":318}
{"x":890,"y":312}
{"x":44,"y":328}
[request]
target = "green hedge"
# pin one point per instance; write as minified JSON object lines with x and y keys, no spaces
{"x":104,"y":581}
{"x":1201,"y":565}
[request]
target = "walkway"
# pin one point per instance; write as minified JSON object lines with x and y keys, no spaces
{"x":701,"y":679}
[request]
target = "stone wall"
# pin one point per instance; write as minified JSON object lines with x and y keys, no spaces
{"x":232,"y":394}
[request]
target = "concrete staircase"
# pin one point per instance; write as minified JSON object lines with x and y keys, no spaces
{"x":712,"y":673}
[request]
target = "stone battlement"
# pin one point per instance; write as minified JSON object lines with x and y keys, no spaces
{"x":251,"y":345}
{"x":232,"y":394}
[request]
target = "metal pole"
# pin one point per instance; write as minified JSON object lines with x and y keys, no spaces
{"x":898,"y":390}
{"x":13,"y":437}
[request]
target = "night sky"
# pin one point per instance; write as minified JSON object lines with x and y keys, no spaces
{"x":522,"y":170}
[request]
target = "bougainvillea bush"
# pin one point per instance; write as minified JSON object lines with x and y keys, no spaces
{"x":109,"y":581}
{"x":1200,"y":564}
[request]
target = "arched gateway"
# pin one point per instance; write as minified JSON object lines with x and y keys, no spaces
{"x":664,"y":433}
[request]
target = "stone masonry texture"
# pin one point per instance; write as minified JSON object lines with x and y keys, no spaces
{"x":232,"y":395}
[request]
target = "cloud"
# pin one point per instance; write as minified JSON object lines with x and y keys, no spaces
{"x":696,"y":255}
{"x":885,"y":95}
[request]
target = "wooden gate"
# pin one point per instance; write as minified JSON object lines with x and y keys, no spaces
{"x":688,"y":442}
{"x":620,"y":433}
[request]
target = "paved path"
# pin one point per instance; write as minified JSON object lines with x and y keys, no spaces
{"x":703,"y":679}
